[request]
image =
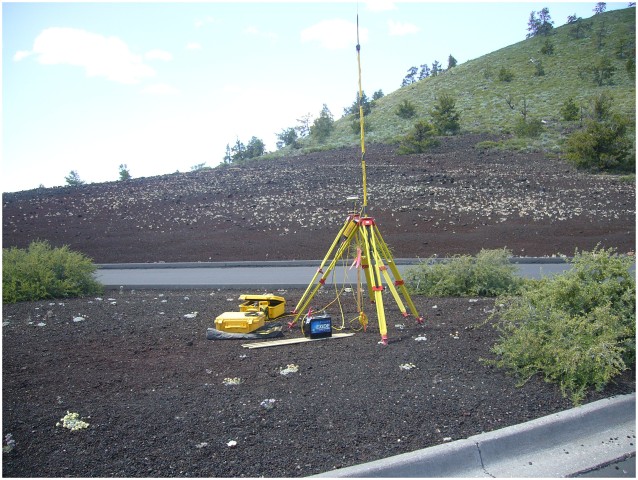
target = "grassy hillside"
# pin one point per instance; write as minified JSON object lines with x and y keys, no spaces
{"x":481,"y":96}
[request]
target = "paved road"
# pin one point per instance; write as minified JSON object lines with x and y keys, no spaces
{"x":270,"y":275}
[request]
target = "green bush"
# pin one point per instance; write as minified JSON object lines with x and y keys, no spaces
{"x":604,"y":145}
{"x":444,"y":115}
{"x":355,"y":126}
{"x":420,"y":139}
{"x":488,"y":145}
{"x":547,"y":48}
{"x":576,"y":329}
{"x":528,"y":128}
{"x":406,"y":109}
{"x":490,"y":273}
{"x":569,"y":110}
{"x":505,"y":75}
{"x":40,"y":272}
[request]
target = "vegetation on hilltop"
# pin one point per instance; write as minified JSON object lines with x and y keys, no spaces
{"x":519,"y":90}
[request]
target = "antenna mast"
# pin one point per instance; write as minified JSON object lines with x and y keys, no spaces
{"x":373,"y":254}
{"x":361,"y":125}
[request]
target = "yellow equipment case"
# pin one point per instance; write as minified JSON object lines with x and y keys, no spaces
{"x":273,"y":305}
{"x":240,"y":322}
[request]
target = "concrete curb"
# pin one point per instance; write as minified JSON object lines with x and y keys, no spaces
{"x":558,"y":445}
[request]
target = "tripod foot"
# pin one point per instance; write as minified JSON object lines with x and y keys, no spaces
{"x":419,"y":320}
{"x":384,"y":340}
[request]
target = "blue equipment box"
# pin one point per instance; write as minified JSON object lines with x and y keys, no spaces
{"x":319,"y":326}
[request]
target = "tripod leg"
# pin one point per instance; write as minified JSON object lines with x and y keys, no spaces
{"x":375,"y":274}
{"x":397,"y":276}
{"x":307,"y":298}
{"x":320,"y":269}
{"x":393,"y":289}
{"x":365,"y":265}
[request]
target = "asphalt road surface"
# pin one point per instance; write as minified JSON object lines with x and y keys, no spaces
{"x":269,"y":275}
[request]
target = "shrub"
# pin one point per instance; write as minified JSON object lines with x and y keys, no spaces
{"x":420,"y":139}
{"x":602,"y":71}
{"x":576,"y":329}
{"x":569,"y":110}
{"x":490,"y":273}
{"x":505,"y":75}
{"x":528,"y":128}
{"x":406,"y":109}
{"x":444,"y":115}
{"x":602,"y":146}
{"x":488,"y":145}
{"x":630,"y":66}
{"x":43,"y":272}
{"x":601,"y":106}
{"x":355,"y":125}
{"x":547,"y":48}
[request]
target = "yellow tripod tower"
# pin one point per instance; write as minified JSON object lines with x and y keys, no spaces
{"x":375,"y":258}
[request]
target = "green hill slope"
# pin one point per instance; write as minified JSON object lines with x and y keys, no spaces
{"x":489,"y":105}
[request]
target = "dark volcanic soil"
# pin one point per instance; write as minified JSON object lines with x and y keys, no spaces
{"x":151,"y":386}
{"x":457,"y":199}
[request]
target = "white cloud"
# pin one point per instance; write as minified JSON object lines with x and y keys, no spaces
{"x":21,"y":54}
{"x":100,"y":56}
{"x":400,"y":29}
{"x":157,"y":54}
{"x":160,"y":89}
{"x":193,"y":46}
{"x":254,"y":31}
{"x":200,"y":22}
{"x":380,"y":5}
{"x":334,"y":34}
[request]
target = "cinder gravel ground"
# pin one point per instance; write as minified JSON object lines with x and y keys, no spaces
{"x":151,"y":386}
{"x":456,"y":199}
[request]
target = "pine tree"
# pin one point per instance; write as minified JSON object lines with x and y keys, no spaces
{"x":73,"y":179}
{"x":238,"y":151}
{"x":255,"y":148}
{"x":409,"y":78}
{"x":425,"y":71}
{"x":436,"y":68}
{"x":542,"y":25}
{"x":124,"y":172}
{"x":444,"y":115}
{"x":288,"y":136}
{"x":354,"y":108}
{"x":323,"y":125}
{"x":228,"y":157}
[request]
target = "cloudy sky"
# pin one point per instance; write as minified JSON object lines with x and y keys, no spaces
{"x":162,"y":87}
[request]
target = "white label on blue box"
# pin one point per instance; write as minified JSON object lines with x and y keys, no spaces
{"x":320,"y":327}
